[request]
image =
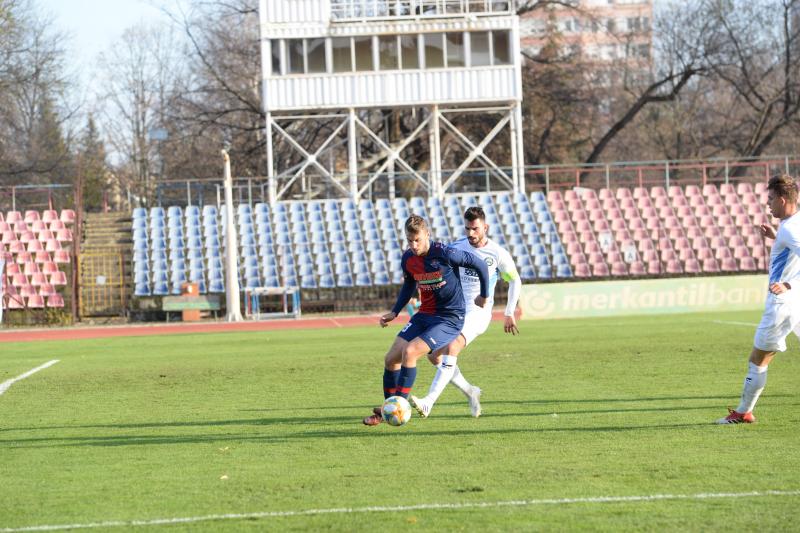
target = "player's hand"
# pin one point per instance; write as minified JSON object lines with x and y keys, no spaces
{"x":767,"y":231}
{"x":388,"y":317}
{"x":510,"y":325}
{"x":778,"y":288}
{"x":480,"y":301}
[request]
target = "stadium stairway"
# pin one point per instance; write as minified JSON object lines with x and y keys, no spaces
{"x":105,"y":281}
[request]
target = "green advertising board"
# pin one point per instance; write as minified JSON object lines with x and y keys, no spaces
{"x":643,"y":297}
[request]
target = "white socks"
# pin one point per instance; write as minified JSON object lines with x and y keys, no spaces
{"x":444,"y":373}
{"x":754,"y":383}
{"x":460,"y":382}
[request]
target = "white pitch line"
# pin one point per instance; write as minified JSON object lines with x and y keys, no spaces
{"x":6,"y":384}
{"x":404,"y":508}
{"x":732,"y":323}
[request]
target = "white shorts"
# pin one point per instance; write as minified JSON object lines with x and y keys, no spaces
{"x":475,"y":323}
{"x":781,"y":317}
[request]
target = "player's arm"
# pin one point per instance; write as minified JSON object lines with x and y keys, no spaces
{"x":470,"y":260}
{"x":508,"y":271}
{"x":406,"y":292}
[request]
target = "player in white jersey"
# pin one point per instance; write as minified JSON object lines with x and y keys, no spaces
{"x":782,"y":310}
{"x":476,"y":320}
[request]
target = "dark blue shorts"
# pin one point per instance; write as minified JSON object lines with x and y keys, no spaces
{"x":436,"y":331}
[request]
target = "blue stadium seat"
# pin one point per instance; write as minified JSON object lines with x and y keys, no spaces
{"x":308,"y":282}
{"x":216,"y":285}
{"x":344,"y":280}
{"x":541,"y":260}
{"x":527,"y":272}
{"x":545,"y":272}
{"x":139,"y":212}
{"x":141,"y":289}
{"x":156,"y":212}
{"x":326,"y":281}
{"x":261,"y":208}
{"x":563,"y":271}
{"x":177,"y":254}
{"x":160,"y":288}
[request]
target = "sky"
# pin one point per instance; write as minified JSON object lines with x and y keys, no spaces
{"x":93,"y":25}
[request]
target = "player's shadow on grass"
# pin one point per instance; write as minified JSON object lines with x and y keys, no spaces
{"x":353,"y":431}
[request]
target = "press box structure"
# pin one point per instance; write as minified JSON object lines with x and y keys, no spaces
{"x":334,"y":61}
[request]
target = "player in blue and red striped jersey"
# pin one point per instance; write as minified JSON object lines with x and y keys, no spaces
{"x":431,"y":267}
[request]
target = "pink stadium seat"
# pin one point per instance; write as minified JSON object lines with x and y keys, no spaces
{"x":626,"y":203}
{"x":658,"y":191}
{"x":638,"y":269}
{"x":49,"y":215}
{"x":694,"y":232}
{"x":729,"y":265}
{"x":583,"y":226}
{"x":600,"y":270}
{"x":691,"y":190}
{"x":591,"y":203}
{"x":717,"y":242}
{"x":650,"y":256}
{"x":31,"y":216}
{"x":597,"y":214}
{"x":56,"y":225}
{"x":27,"y":236}
{"x":12,"y":217}
{"x":605,"y":193}
{"x":595,"y":257}
{"x":638,"y":192}
{"x":49,"y":267}
{"x":758,"y":252}
{"x":27,"y":290}
{"x":582,"y":270}
{"x":723,"y":253}
{"x":4,"y":227}
{"x":46,"y":235}
{"x":654,"y":267}
{"x":58,"y":278}
{"x":11,"y":269}
{"x":15,"y":301}
{"x":577,"y":259}
{"x":710,"y":265}
{"x":718,"y":210}
{"x":24,"y":256}
{"x":8,"y":236}
{"x":623,"y":192}
{"x":7,"y":256}
{"x":614,"y":256}
{"x":747,"y":264}
{"x":52,"y":245}
{"x":669,"y":255}
{"x":557,"y":205}
{"x":744,"y":188}
{"x":38,"y":226}
{"x":691,"y":266}
{"x":727,"y":188}
{"x":554,"y":195}
{"x":653,"y":224}
{"x":696,"y":201}
{"x":729,"y":232}
{"x":46,"y":289}
{"x":743,"y":221}
{"x":712,"y":201}
{"x":20,"y":226}
{"x":573,"y":248}
{"x":574,"y":204}
{"x":38,"y":279}
{"x":609,"y":203}
{"x":754,"y":241}
{"x":35,"y":246}
{"x":67,"y":216}
{"x":586,"y":236}
{"x":685,"y":254}
{"x":64,"y":235}
{"x":30,"y":268}
{"x":570,"y":194}
{"x":644,"y":202}
{"x":560,"y":215}
{"x":704,"y":253}
{"x":661,"y":202}
{"x":674,"y":267}
{"x":709,"y":189}
{"x":61,"y":256}
{"x":564,"y":226}
{"x":618,"y":224}
{"x":55,"y":301}
{"x":35,"y":301}
{"x":601,"y":226}
{"x":619,"y":269}
{"x":681,"y":243}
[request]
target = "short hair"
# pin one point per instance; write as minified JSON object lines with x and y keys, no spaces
{"x":784,"y":186}
{"x":474,"y":213}
{"x":416,"y":224}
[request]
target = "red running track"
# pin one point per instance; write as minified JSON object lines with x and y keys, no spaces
{"x":61,"y":334}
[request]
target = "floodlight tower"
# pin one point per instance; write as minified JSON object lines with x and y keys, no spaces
{"x":337,"y":60}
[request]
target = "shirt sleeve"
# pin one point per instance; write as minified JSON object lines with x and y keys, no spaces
{"x":466,"y":259}
{"x":791,"y":240}
{"x":508,"y":271}
{"x":406,"y":291}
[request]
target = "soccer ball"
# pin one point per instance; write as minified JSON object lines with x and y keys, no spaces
{"x":396,"y":411}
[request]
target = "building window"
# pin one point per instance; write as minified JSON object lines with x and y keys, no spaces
{"x":501,"y":46}
{"x":275,"y":46}
{"x":363,"y":51}
{"x":294,"y":56}
{"x":455,"y":49}
{"x":342,"y":54}
{"x":480,"y":52}
{"x":388,"y":52}
{"x":434,"y":50}
{"x":409,"y":50}
{"x":316,"y":56}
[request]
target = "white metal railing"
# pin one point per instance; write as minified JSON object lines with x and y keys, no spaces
{"x":361,"y":9}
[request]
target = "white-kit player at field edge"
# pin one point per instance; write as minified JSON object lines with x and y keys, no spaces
{"x":782,"y":309}
{"x":477,"y":319}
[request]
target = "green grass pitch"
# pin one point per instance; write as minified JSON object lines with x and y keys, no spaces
{"x":184,"y":426}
